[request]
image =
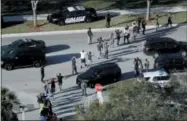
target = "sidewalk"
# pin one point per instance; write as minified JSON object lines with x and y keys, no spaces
{"x":69,"y":32}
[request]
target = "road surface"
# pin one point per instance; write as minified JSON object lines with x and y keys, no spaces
{"x":61,"y":48}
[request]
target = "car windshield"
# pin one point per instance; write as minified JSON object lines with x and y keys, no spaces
{"x":16,"y":43}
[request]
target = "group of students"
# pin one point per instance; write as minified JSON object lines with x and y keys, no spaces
{"x":46,"y":112}
{"x":139,"y":66}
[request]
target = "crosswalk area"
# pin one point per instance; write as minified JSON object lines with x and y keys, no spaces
{"x":65,"y":102}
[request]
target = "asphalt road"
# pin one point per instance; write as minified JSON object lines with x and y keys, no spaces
{"x":61,"y":48}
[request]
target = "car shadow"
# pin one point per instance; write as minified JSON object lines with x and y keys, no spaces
{"x":54,"y":48}
{"x":57,"y":59}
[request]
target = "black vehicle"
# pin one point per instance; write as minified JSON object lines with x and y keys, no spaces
{"x":22,"y":44}
{"x":103,"y":74}
{"x":23,"y":57}
{"x":171,"y":62}
{"x":163,"y":45}
{"x":72,"y":14}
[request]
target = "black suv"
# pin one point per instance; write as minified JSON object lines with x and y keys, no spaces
{"x":72,"y":14}
{"x":103,"y":74}
{"x":163,"y":45}
{"x":22,"y":44}
{"x":19,"y":57}
{"x":171,"y":62}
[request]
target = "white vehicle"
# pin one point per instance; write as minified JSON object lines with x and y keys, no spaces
{"x":158,"y":77}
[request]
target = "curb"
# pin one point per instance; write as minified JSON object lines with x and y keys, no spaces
{"x":66,"y":32}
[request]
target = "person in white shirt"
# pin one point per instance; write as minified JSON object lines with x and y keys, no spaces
{"x":126,"y":34}
{"x":83,"y":58}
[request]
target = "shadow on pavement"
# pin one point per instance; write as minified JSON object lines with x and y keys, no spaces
{"x":54,"y":48}
{"x":57,"y":59}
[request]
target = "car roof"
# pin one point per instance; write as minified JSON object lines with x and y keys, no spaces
{"x":155,"y":73}
{"x":159,"y":39}
{"x":75,"y":8}
{"x":105,"y":65}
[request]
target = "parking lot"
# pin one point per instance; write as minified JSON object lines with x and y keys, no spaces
{"x":61,"y":48}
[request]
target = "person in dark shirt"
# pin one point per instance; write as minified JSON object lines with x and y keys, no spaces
{"x":59,"y":79}
{"x":90,"y":35}
{"x":143,"y":26}
{"x":42,"y":73}
{"x":53,"y":87}
{"x":108,"y":19}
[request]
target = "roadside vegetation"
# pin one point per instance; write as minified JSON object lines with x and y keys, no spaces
{"x":8,"y":99}
{"x":118,"y":21}
{"x":48,"y":6}
{"x":132,"y":100}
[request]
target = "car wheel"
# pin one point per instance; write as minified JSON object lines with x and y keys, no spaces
{"x":37,"y":64}
{"x":88,"y":20}
{"x":117,"y":78}
{"x":61,"y":23}
{"x":8,"y":67}
{"x":155,"y":55}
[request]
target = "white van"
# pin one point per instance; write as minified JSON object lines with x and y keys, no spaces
{"x":158,"y":77}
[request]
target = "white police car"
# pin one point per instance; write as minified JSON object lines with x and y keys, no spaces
{"x":72,"y":14}
{"x":159,"y":77}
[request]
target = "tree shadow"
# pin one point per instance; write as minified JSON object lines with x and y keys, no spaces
{"x":10,"y":24}
{"x":54,"y":48}
{"x":57,"y":59}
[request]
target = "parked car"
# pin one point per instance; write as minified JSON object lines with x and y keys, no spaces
{"x":19,"y":57}
{"x":157,"y":77}
{"x":156,"y":46}
{"x":23,"y":44}
{"x":171,"y":62}
{"x":103,"y":74}
{"x":72,"y":14}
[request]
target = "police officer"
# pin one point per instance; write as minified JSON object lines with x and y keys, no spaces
{"x":169,"y":20}
{"x":157,"y":22}
{"x":42,"y":73}
{"x":90,"y":35}
{"x":143,"y":26}
{"x":108,"y":19}
{"x":74,"y":66}
{"x":106,"y":49}
{"x":139,"y":23}
{"x":59,"y":79}
{"x":136,"y":67}
{"x":83,"y":87}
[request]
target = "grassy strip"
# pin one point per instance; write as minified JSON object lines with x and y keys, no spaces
{"x":118,"y":21}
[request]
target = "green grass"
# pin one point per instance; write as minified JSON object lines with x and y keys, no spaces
{"x":118,"y":21}
{"x":120,"y":4}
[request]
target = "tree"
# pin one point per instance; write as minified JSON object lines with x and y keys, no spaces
{"x":148,"y":9}
{"x":8,"y":99}
{"x":141,"y":101}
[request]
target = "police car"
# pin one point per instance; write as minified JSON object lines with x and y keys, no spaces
{"x":159,"y":77}
{"x":72,"y":14}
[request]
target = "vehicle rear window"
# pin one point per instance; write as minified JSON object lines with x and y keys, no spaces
{"x":159,"y":78}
